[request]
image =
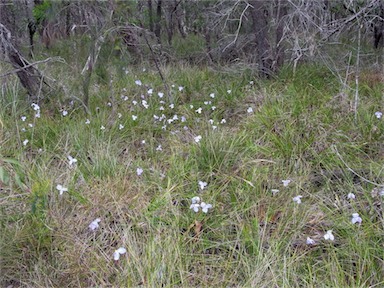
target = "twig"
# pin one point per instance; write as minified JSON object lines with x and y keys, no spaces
{"x":58,"y":59}
{"x":334,"y":148}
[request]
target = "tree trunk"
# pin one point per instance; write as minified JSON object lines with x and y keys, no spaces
{"x":150,"y":15}
{"x":280,"y":47}
{"x":29,"y":76}
{"x":158,"y":19}
{"x":260,"y":28}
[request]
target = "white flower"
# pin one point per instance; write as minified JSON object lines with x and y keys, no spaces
{"x":286,"y":182}
{"x":37,"y":115}
{"x":159,"y":148}
{"x":212,"y":95}
{"x":356,"y":218}
{"x":145,"y":104}
{"x":125,"y":98}
{"x":61,"y":189}
{"x":119,"y":115}
{"x":134,"y":117}
{"x":139,"y":171}
{"x":23,"y":118}
{"x":94,"y":224}
{"x":297,"y":199}
{"x":118,"y":252}
{"x":172,"y":106}
{"x":207,"y":102}
{"x":160,"y":94}
{"x":195,"y":207}
{"x":275,"y":191}
{"x":181,"y":88}
{"x":191,"y":106}
{"x":329,"y":236}
{"x":195,"y":200}
{"x":197,"y":138}
{"x":109,"y":104}
{"x":223,"y":121}
{"x":134,"y":102}
{"x":199,"y":110}
{"x":150,"y":91}
{"x":87,"y":121}
{"x":138,"y":82}
{"x":351,"y":196}
{"x":310,"y":241}
{"x":183,"y":119}
{"x":249,"y":110}
{"x":229,"y":91}
{"x":251,"y":82}
{"x":202,"y":184}
{"x":378,"y":114}
{"x":121,"y":126}
{"x":25,"y":142}
{"x":102,"y":127}
{"x":204,"y":207}
{"x":213,"y":108}
{"x":35,"y":107}
{"x":71,"y":160}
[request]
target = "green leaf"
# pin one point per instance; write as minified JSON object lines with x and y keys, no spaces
{"x":4,"y":175}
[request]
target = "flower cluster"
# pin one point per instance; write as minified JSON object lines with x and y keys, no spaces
{"x":197,"y":205}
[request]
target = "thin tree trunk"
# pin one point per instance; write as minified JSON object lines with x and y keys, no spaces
{"x":150,"y":15}
{"x":158,"y":19}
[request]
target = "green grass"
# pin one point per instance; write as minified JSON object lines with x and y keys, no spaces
{"x":300,"y":129}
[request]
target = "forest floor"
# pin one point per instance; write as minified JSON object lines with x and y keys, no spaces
{"x":289,"y":179}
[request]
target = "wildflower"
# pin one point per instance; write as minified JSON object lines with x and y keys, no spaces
{"x":30,"y":125}
{"x":329,"y":236}
{"x":195,"y":200}
{"x":102,"y":127}
{"x":207,"y":102}
{"x":172,"y":106}
{"x":138,"y":82}
{"x":159,"y":148}
{"x":199,"y":110}
{"x":125,"y":98}
{"x":202,"y":184}
{"x":118,"y":252}
{"x":251,"y":82}
{"x":351,"y":196}
{"x":223,"y":121}
{"x":204,"y":207}
{"x":65,"y":113}
{"x":181,"y":88}
{"x":94,"y":224}
{"x":37,"y":115}
{"x":275,"y":191}
{"x":214,"y":127}
{"x":145,"y":104}
{"x":183,"y":119}
{"x":109,"y":104}
{"x":160,"y":94}
{"x":119,"y":115}
{"x":25,"y":142}
{"x":134,"y":117}
{"x":229,"y":91}
{"x":213,"y":108}
{"x":297,"y":199}
{"x":378,"y":114}
{"x":286,"y":182}
{"x":87,"y":121}
{"x":71,"y":160}
{"x":212,"y":95}
{"x":310,"y":241}
{"x":35,"y":107}
{"x":61,"y":189}
{"x":134,"y":102}
{"x":191,"y":106}
{"x":150,"y":91}
{"x":356,"y":218}
{"x":197,"y":138}
{"x":121,"y":126}
{"x":23,"y":118}
{"x":139,"y":171}
{"x":195,"y":207}
{"x":249,"y":110}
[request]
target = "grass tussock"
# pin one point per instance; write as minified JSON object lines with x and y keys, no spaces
{"x":142,"y":156}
